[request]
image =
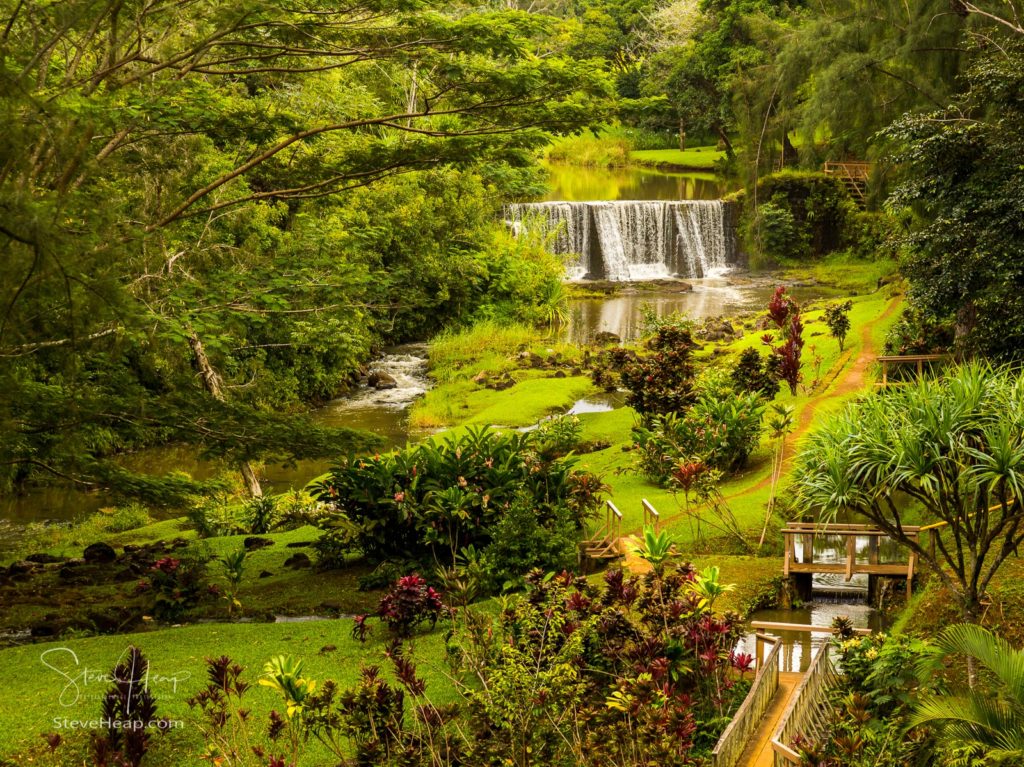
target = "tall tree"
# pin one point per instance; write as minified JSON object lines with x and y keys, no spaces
{"x":953,"y":447}
{"x":963,"y":192}
{"x":168,"y":183}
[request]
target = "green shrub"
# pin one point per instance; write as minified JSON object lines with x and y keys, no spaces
{"x":129,"y":517}
{"x":429,"y":502}
{"x":757,"y":374}
{"x":659,"y":382}
{"x":719,"y":433}
{"x":801,"y":215}
{"x":260,"y":514}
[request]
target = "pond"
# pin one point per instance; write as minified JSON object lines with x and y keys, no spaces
{"x":576,"y":183}
{"x":620,"y":313}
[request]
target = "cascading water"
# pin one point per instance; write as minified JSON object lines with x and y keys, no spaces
{"x":634,"y":240}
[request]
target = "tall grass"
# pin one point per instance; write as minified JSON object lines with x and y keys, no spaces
{"x":486,"y":345}
{"x":590,"y":150}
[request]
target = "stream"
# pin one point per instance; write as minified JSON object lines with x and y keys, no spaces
{"x":723,"y":291}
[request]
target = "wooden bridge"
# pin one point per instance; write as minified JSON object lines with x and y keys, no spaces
{"x":917,"y":360}
{"x":779,"y":706}
{"x":804,"y":563}
{"x":854,"y":176}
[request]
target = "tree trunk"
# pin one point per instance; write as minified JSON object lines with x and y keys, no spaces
{"x":789,"y":154}
{"x":682,"y":135}
{"x":724,"y":139}
{"x":212,"y":385}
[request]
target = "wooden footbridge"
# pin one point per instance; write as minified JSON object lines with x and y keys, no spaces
{"x":779,"y":706}
{"x":852,"y":563}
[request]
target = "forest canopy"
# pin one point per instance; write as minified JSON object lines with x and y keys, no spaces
{"x":173,"y":239}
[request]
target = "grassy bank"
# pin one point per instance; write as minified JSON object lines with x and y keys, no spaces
{"x":697,"y":158}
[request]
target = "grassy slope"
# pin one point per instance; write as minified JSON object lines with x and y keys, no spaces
{"x":179,"y":652}
{"x":747,"y":493}
{"x":697,"y":158}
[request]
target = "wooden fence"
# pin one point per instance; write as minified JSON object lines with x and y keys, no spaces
{"x":808,"y":713}
{"x":748,"y":717}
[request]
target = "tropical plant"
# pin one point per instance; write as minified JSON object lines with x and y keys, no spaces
{"x":707,"y":585}
{"x":129,"y":715}
{"x":659,"y":381}
{"x":987,"y":716}
{"x":720,"y":432}
{"x":261,"y":514}
{"x":784,"y":312}
{"x":283,"y":673}
{"x":429,"y":502}
{"x":656,"y":548}
{"x":409,"y":603}
{"x":754,"y":373}
{"x":233,"y":571}
{"x":837,"y":317}
{"x":953,"y":445}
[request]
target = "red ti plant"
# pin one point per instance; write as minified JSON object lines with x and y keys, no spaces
{"x":785,"y":313}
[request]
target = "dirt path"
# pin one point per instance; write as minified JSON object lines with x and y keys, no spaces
{"x":851,"y":378}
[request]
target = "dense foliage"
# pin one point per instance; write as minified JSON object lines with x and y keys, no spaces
{"x":953,"y":445}
{"x":500,"y":495}
{"x":965,"y":186}
{"x":718,"y":432}
{"x":212,"y":212}
{"x":660,"y":379}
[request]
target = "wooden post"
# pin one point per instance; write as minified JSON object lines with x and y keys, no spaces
{"x":873,"y":550}
{"x":851,"y":556}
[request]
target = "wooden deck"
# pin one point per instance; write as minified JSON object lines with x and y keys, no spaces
{"x":759,"y":752}
{"x":850,"y":566}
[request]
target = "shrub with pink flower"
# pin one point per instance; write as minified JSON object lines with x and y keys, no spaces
{"x":409,"y":603}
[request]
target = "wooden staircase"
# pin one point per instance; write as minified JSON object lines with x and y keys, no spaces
{"x":854,"y":176}
{"x":604,"y":542}
{"x":607,"y":541}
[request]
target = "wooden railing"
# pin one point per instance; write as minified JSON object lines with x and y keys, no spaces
{"x":917,"y":360}
{"x":651,"y":516}
{"x":806,"y":531}
{"x":748,"y":717}
{"x":808,"y":713}
{"x":604,"y":542}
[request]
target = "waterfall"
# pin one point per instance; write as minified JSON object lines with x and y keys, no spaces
{"x":633,"y":240}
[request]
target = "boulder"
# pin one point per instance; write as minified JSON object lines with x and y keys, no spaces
{"x":254,"y":542}
{"x":298,"y":561}
{"x":480,"y":377}
{"x":99,"y":553}
{"x":605,"y":338}
{"x":43,"y":559}
{"x":265,"y":574}
{"x":380,"y":380}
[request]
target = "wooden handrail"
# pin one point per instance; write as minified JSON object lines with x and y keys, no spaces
{"x":776,"y":626}
{"x":650,"y":513}
{"x":807,"y":712}
{"x":733,"y":740}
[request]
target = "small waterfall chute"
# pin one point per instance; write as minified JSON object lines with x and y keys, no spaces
{"x":633,"y":240}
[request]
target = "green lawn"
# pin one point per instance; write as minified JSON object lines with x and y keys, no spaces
{"x":697,"y":158}
{"x":44,"y":682}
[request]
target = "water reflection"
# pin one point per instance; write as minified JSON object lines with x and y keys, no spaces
{"x":711,"y":297}
{"x":575,"y":183}
{"x":799,"y":647}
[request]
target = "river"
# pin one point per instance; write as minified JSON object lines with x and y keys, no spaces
{"x":386,"y":412}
